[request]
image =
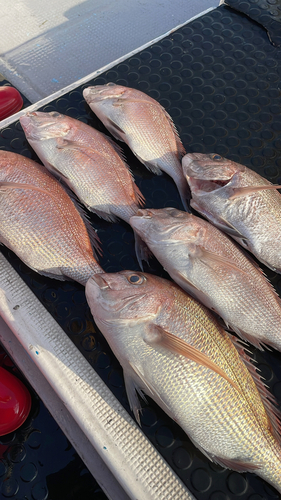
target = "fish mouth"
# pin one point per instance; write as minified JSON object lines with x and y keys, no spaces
{"x":200,"y":185}
{"x":40,"y":126}
{"x":100,"y":281}
{"x":190,"y":157}
{"x":148,"y":213}
{"x":144,"y":212}
{"x":138,"y":222}
{"x":26,"y":123}
{"x":206,"y":186}
{"x":31,"y":121}
{"x":101,"y":92}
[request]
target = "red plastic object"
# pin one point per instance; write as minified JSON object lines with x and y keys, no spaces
{"x":15,"y":402}
{"x":10,"y":101}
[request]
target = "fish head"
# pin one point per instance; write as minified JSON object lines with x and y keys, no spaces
{"x":41,"y":126}
{"x":166,"y":225}
{"x":208,"y":172}
{"x":126,"y":295}
{"x":110,"y":91}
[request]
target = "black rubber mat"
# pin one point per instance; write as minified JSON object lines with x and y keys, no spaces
{"x":265,"y":12}
{"x":219,"y":78}
{"x":37,"y":462}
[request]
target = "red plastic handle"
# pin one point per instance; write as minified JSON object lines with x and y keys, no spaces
{"x":10,"y":101}
{"x":15,"y":402}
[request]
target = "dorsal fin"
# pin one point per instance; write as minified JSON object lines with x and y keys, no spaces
{"x":94,"y":239}
{"x":268,"y":399}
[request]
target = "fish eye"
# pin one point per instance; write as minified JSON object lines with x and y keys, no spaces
{"x":216,"y":157}
{"x":136,"y":279}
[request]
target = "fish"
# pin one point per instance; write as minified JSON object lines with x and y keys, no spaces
{"x":88,"y":162}
{"x":144,"y":125}
{"x":41,"y":224}
{"x":172,"y":349}
{"x":238,"y":201}
{"x":211,"y":267}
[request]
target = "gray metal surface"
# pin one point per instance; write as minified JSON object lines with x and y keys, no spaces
{"x":46,"y":46}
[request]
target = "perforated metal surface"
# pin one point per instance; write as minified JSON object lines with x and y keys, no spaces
{"x":219,"y":78}
{"x":46,"y":46}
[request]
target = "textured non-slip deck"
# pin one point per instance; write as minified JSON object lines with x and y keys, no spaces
{"x":219,"y":78}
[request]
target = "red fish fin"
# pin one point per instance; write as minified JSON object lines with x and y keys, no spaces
{"x":180,"y":146}
{"x":267,"y":397}
{"x":210,"y":258}
{"x":244,"y":191}
{"x":133,"y":390}
{"x":220,"y":223}
{"x":149,"y":165}
{"x":94,"y":239}
{"x":249,"y":338}
{"x":139,"y":196}
{"x":115,"y":146}
{"x":5,"y":185}
{"x":157,"y":336}
{"x":115,"y":130}
{"x":228,"y":463}
{"x":193,"y":290}
{"x":237,"y":465}
{"x":103,"y":215}
{"x":84,"y":149}
{"x":136,"y":384}
{"x":59,"y":175}
{"x":143,"y":253}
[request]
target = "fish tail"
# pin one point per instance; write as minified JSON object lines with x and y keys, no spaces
{"x":272,"y":474}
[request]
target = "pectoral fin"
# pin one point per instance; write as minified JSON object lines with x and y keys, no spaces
{"x":135,"y":384}
{"x":220,"y":223}
{"x":211,"y":258}
{"x":143,"y":253}
{"x":237,"y":465}
{"x":84,"y":149}
{"x":157,"y":336}
{"x":6,"y":185}
{"x":133,"y":390}
{"x":57,"y":173}
{"x":115,"y":130}
{"x":245,"y":191}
